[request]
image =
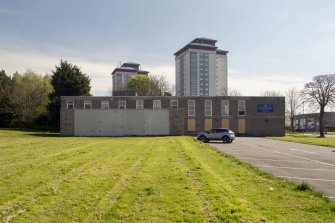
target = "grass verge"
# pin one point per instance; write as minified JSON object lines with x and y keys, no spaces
{"x":307,"y":139}
{"x":163,"y":179}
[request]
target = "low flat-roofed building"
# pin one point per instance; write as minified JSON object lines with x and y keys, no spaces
{"x":171,"y":115}
{"x":310,"y":122}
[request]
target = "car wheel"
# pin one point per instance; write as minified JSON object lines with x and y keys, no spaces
{"x":225,"y":139}
{"x":230,"y":141}
{"x":203,"y":139}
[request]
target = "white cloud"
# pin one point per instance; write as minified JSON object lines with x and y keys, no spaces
{"x":100,"y":73}
{"x":254,"y":84}
{"x":101,"y":79}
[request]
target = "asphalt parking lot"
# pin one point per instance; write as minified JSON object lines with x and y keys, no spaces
{"x":314,"y":165}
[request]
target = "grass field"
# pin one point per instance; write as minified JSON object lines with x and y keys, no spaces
{"x":46,"y":178}
{"x":307,"y":139}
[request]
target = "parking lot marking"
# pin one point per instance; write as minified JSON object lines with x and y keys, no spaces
{"x":292,"y":168}
{"x":301,"y":178}
{"x":303,"y":151}
{"x":291,"y":161}
{"x":315,"y":161}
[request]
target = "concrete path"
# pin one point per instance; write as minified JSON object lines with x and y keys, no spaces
{"x":314,"y":165}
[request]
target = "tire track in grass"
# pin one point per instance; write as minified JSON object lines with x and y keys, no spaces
{"x":115,"y":192}
{"x":51,"y":151}
{"x":55,"y":165}
{"x":214,"y":190}
{"x":256,"y":202}
{"x":161,"y":192}
{"x":185,"y":159}
{"x":78,"y":196}
{"x":16,"y":149}
{"x":18,"y":205}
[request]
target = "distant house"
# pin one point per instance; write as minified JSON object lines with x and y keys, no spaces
{"x":310,"y":122}
{"x":122,"y":74}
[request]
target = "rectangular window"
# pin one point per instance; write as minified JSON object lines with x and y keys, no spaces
{"x":87,"y":104}
{"x":139,"y":104}
{"x":174,"y":104}
{"x":156,"y":104}
{"x":122,"y":104}
{"x":191,"y":107}
{"x":241,"y":107}
{"x":224,"y":108}
{"x":70,"y":105}
{"x":302,"y":123}
{"x":208,"y":107}
{"x":105,"y":105}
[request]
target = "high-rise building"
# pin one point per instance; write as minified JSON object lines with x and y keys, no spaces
{"x":122,"y":74}
{"x":201,"y":69}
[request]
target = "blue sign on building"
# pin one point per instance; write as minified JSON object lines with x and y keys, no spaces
{"x":265,"y":108}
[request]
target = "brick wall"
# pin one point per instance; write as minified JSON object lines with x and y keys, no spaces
{"x":256,"y":123}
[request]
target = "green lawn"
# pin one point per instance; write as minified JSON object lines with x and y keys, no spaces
{"x":307,"y":139}
{"x":46,"y":178}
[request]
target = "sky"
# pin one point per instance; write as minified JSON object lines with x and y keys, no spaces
{"x":273,"y":45}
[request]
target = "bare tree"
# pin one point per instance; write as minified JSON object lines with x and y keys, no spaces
{"x":162,"y":83}
{"x":233,"y":92}
{"x":271,"y":93}
{"x":293,"y":103}
{"x":110,"y":91}
{"x":322,"y":92}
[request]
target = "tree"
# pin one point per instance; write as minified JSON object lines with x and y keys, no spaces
{"x":320,"y":91}
{"x":233,"y":92}
{"x":143,"y":85}
{"x":293,"y":103}
{"x":5,"y":87}
{"x":271,"y":93}
{"x":162,"y":84}
{"x":29,"y":97}
{"x":67,"y":80}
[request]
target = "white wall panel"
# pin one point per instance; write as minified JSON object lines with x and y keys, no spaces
{"x":121,"y":122}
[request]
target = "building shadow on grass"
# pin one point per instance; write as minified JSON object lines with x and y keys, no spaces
{"x":44,"y":134}
{"x":35,"y":132}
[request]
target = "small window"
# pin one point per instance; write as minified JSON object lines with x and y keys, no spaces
{"x":156,"y":104}
{"x":208,"y":107}
{"x":70,"y":105}
{"x":224,"y":108}
{"x":241,"y":107}
{"x":122,"y":104}
{"x":87,"y":104}
{"x":191,"y":107}
{"x":174,"y":104}
{"x":139,"y":104}
{"x":302,"y":123}
{"x":105,"y":105}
